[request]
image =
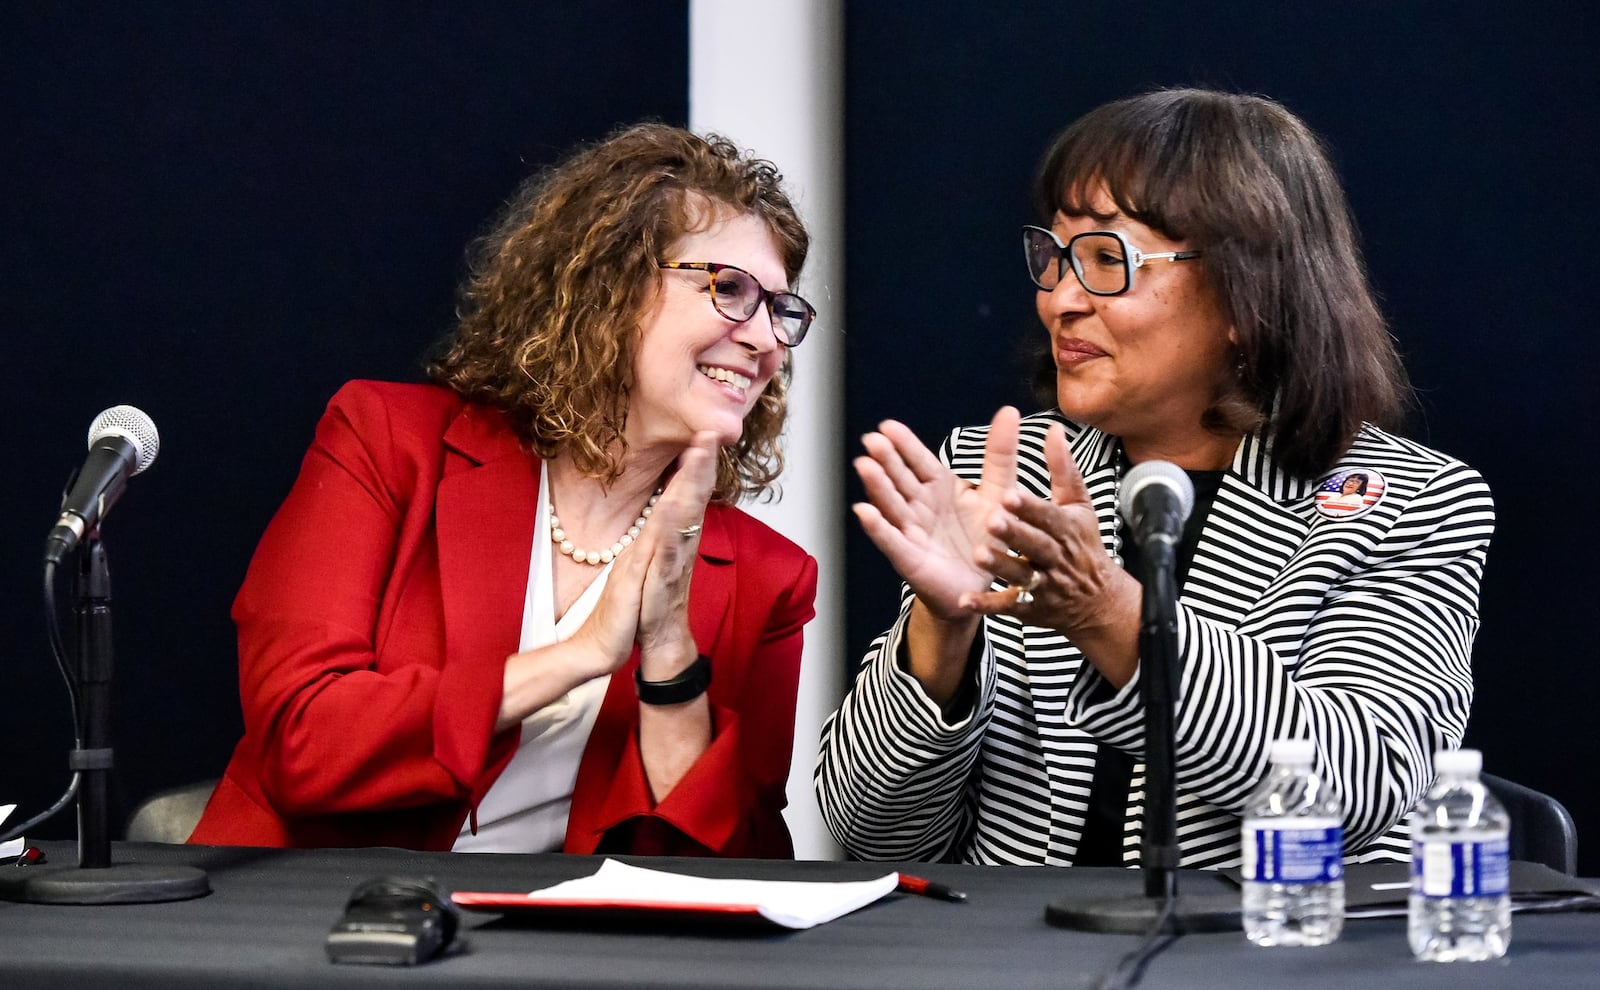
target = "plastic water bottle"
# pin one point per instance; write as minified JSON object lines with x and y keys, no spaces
{"x":1460,"y":905}
{"x":1293,"y":853}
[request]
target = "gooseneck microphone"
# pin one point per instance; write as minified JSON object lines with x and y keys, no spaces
{"x":122,"y":442}
{"x":1157,"y":497}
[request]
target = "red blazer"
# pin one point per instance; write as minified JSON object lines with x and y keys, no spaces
{"x":378,"y":612}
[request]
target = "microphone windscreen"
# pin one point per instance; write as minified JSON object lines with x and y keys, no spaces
{"x":1149,"y":473}
{"x":132,"y":424}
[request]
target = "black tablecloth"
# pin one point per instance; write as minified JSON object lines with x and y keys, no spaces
{"x":264,"y":924}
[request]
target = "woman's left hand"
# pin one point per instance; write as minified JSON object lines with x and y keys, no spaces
{"x":673,"y":545}
{"x":1062,"y":578}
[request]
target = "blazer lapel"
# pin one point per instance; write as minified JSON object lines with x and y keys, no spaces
{"x":715,"y":576}
{"x":1256,"y":523}
{"x":484,"y":521}
{"x":1255,"y":526}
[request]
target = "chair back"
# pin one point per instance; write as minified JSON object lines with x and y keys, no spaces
{"x":170,"y":815}
{"x":1541,"y":829}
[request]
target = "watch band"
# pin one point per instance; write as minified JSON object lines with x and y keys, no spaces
{"x":687,"y":686}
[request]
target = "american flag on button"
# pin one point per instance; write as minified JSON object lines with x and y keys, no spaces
{"x":1349,"y":492}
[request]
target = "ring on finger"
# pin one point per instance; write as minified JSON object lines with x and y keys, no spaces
{"x":1034,"y":580}
{"x":689,"y":532}
{"x":1024,"y":596}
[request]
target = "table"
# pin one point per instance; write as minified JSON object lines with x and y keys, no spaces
{"x":264,"y":922}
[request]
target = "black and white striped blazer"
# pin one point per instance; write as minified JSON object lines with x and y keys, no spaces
{"x":1355,"y":632}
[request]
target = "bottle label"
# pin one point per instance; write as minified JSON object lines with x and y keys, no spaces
{"x":1295,"y":850}
{"x":1441,"y":868}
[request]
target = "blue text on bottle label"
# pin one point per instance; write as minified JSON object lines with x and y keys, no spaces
{"x":1312,"y":851}
{"x":1440,"y":868}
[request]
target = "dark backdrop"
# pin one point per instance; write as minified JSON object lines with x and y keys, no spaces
{"x":218,"y":213}
{"x":1466,"y":136}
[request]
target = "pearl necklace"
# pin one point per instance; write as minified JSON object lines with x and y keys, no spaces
{"x":558,"y":536}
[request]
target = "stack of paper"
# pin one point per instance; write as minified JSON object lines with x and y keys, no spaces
{"x":15,"y":846}
{"x":617,"y":887}
{"x":1380,"y":890}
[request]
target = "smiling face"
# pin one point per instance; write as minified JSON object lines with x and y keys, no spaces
{"x":695,"y":369}
{"x":1146,"y":364}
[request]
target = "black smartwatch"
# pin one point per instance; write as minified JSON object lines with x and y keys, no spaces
{"x":687,"y":686}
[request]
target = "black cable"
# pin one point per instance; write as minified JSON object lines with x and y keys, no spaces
{"x":52,"y":625}
{"x":50,"y":812}
{"x":1129,"y":970}
{"x":58,"y":650}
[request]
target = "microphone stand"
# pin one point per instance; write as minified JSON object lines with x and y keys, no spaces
{"x":1158,"y":856}
{"x":95,"y":880}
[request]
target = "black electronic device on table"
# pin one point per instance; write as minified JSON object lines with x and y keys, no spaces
{"x":394,"y":921}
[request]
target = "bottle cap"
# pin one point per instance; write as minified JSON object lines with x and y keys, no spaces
{"x":1458,"y":762}
{"x":1294,"y":752}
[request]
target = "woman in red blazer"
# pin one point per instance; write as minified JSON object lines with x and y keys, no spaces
{"x":433,"y":656}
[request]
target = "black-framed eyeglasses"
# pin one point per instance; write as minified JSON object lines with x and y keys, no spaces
{"x":1103,"y":260}
{"x":737,"y":294}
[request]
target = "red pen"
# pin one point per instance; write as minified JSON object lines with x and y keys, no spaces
{"x":927,"y":888}
{"x":28,"y":857}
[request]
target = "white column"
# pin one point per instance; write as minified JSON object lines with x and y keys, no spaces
{"x":769,"y":76}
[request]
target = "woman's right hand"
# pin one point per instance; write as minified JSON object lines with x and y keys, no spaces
{"x":930,"y":524}
{"x":537,"y":677}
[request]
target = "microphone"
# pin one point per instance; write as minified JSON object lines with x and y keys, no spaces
{"x":1157,"y":499}
{"x":122,"y":442}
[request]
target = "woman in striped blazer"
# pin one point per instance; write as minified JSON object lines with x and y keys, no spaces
{"x":1206,"y":304}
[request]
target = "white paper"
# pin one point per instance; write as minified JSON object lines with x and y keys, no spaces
{"x":15,"y":846}
{"x":791,"y":903}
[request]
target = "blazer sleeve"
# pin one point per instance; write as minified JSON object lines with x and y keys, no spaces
{"x":892,"y":772}
{"x":731,"y":800}
{"x":334,"y":732}
{"x":1381,"y":680}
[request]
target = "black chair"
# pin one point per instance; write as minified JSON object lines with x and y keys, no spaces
{"x":1541,"y":829}
{"x":170,"y":815}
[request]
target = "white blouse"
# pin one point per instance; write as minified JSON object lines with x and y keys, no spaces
{"x":526,"y":809}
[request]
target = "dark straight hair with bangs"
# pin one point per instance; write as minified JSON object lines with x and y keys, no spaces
{"x":1246,"y":182}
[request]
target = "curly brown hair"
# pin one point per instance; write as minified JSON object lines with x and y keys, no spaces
{"x":549,"y":311}
{"x":1248,"y":183}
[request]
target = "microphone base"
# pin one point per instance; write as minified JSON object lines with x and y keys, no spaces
{"x":1136,"y":915}
{"x":131,"y":883}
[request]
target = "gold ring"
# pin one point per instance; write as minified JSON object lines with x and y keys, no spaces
{"x":690,"y":532}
